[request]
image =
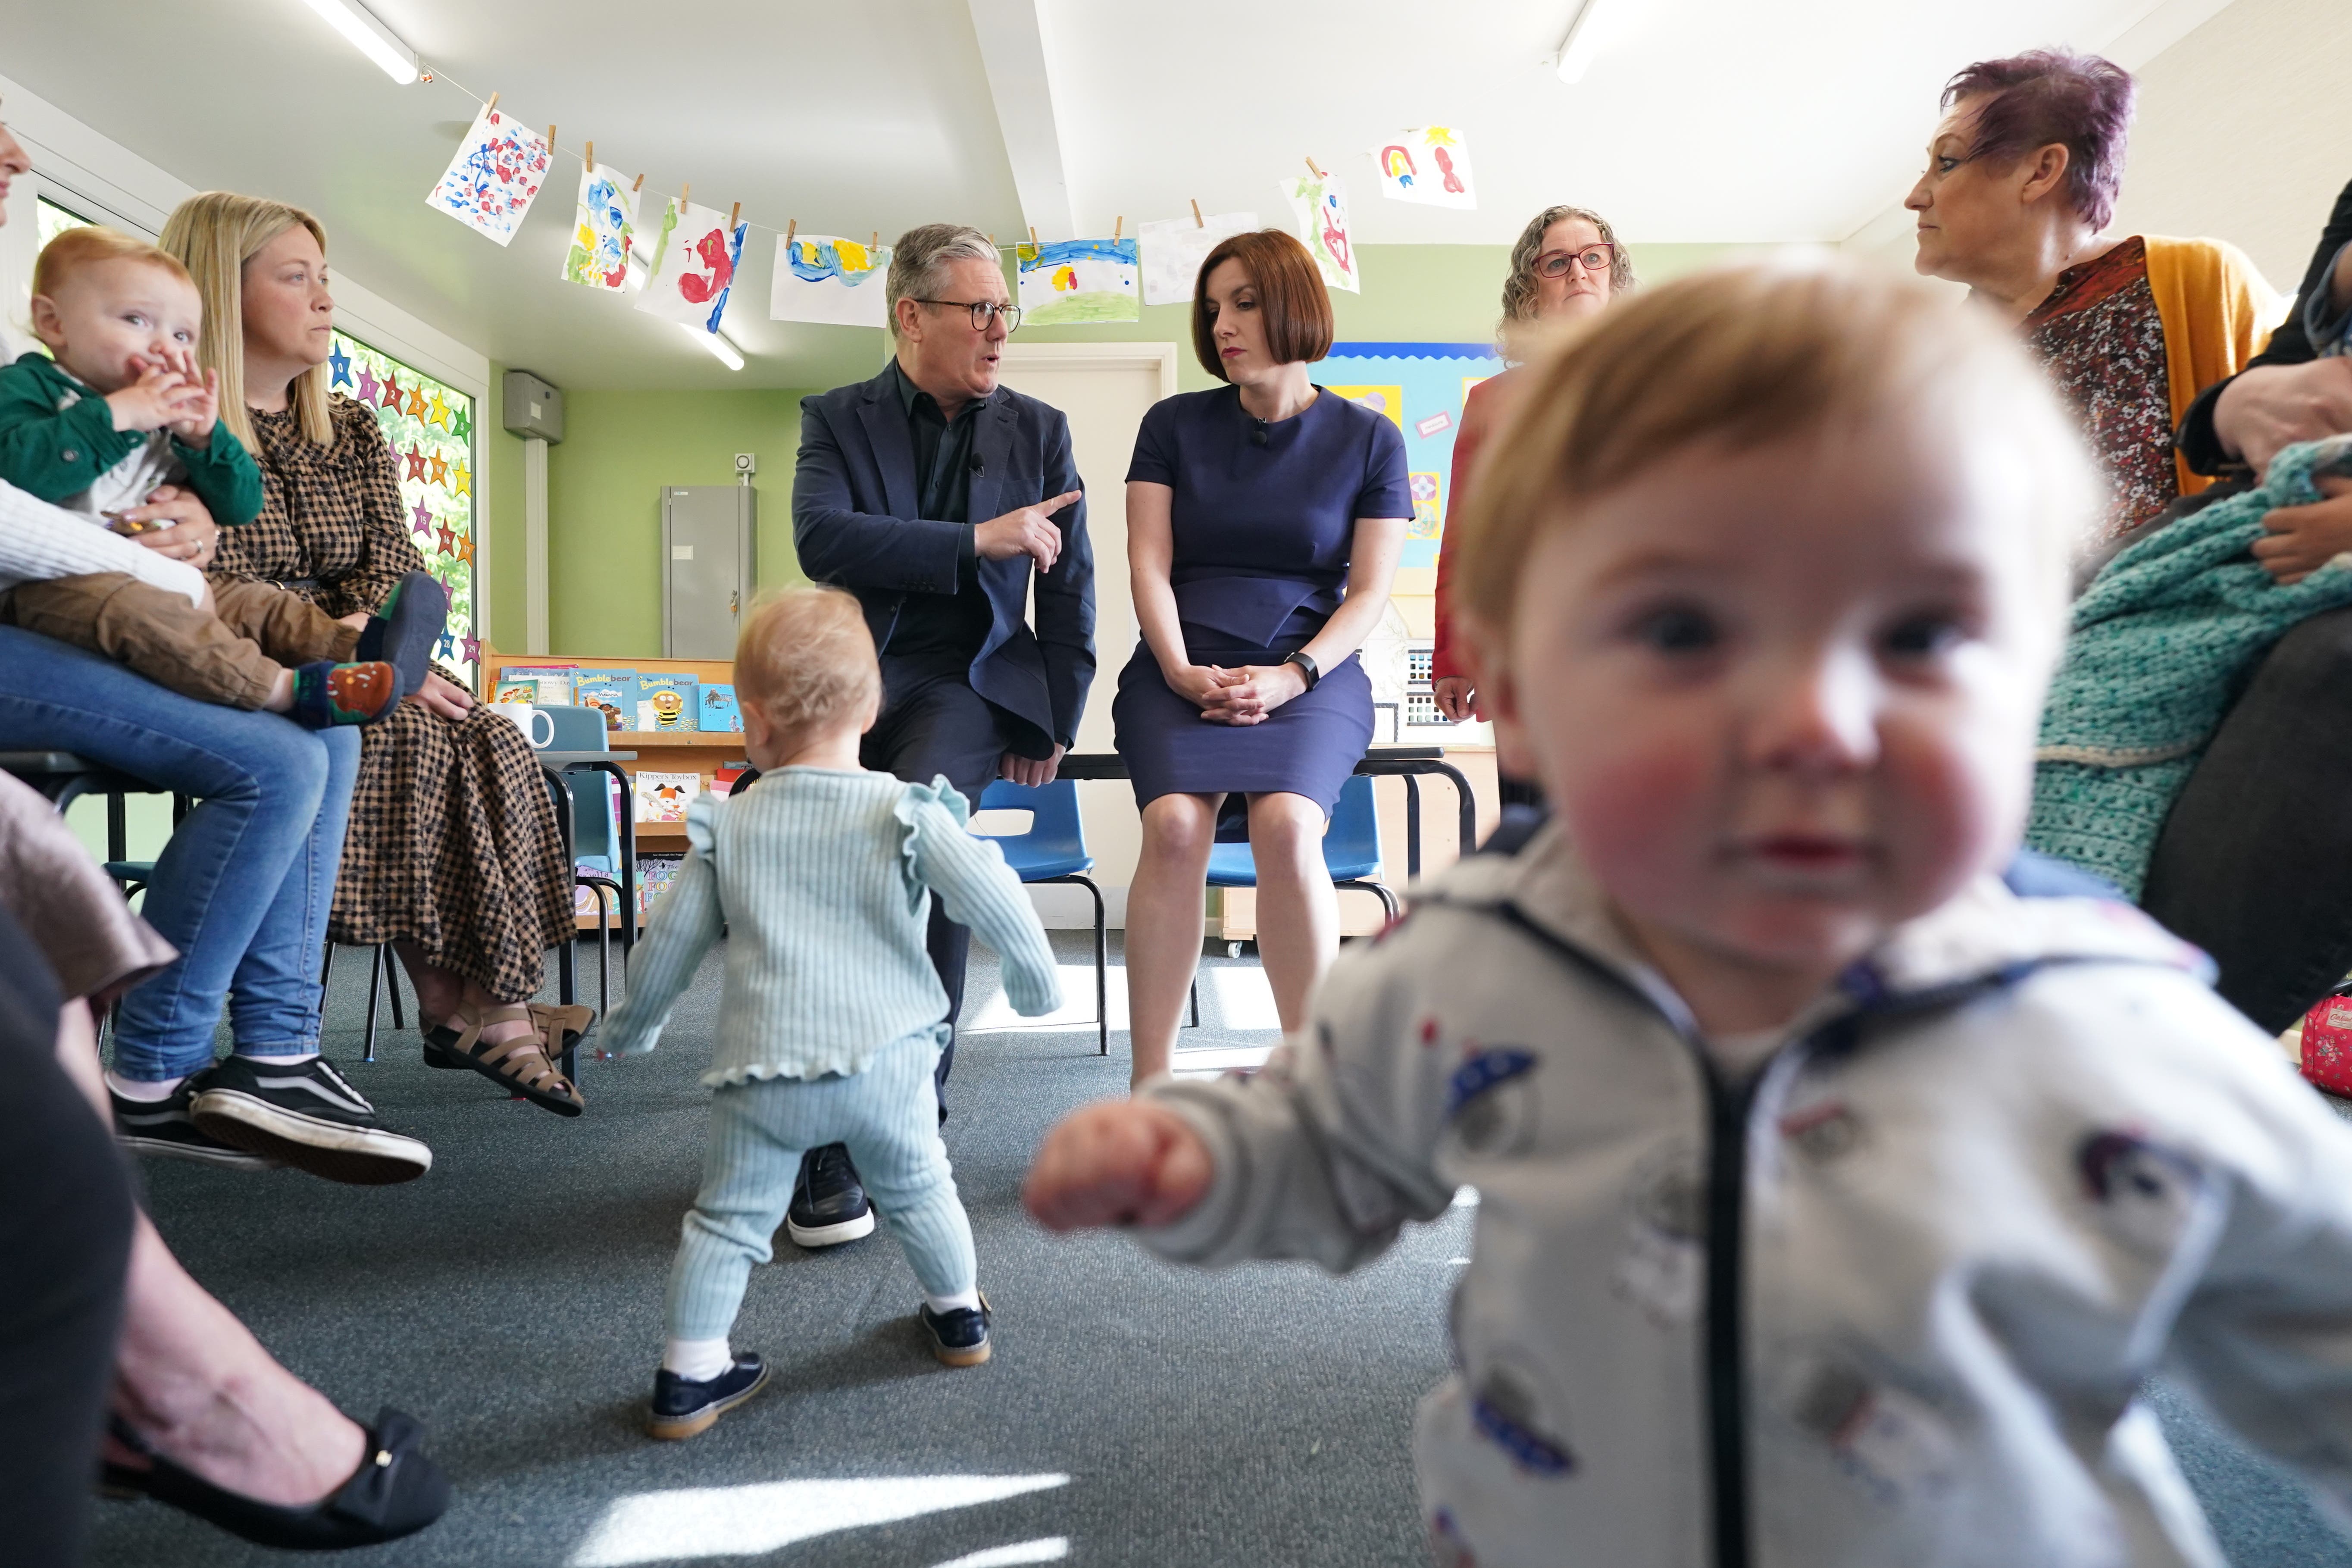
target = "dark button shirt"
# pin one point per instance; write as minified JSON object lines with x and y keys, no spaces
{"x":946,"y":625}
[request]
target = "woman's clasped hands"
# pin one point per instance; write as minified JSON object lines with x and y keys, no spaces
{"x":1241,"y":697}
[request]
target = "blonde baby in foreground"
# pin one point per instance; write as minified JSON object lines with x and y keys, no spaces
{"x":1842,"y":1174}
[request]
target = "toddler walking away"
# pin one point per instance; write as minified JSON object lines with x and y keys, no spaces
{"x":1841,"y":1177}
{"x":123,"y":409}
{"x":832,"y":1017}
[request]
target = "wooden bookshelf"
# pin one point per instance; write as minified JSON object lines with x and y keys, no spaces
{"x":657,"y":751}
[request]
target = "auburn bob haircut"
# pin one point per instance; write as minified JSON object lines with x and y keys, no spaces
{"x":1290,"y":299}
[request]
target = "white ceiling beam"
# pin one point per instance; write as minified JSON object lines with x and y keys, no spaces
{"x":1012,"y":47}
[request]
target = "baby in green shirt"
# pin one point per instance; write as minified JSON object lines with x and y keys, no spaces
{"x":122,"y":408}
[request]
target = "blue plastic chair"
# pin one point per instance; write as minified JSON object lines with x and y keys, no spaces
{"x":1054,"y":849}
{"x":610,"y":865}
{"x":1351,"y":848}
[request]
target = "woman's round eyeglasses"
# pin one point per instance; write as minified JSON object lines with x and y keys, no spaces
{"x":983,"y":311}
{"x":1592,"y":259}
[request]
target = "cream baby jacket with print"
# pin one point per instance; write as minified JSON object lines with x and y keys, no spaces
{"x":1889,"y":1302}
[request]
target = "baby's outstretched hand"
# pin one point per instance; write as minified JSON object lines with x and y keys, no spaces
{"x":1124,"y":1161}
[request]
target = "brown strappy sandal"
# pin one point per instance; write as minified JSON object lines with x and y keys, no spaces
{"x":521,"y":1064}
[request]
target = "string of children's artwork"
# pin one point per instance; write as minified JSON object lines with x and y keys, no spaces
{"x":688,"y":270}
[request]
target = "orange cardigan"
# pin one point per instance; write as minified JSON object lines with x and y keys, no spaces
{"x":2218,"y":312}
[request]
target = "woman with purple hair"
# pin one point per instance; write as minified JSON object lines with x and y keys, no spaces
{"x":2020,"y":185}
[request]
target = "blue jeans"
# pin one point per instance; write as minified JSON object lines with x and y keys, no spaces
{"x":243,"y":887}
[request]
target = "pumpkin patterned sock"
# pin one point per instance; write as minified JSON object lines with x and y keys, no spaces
{"x":327,"y":694}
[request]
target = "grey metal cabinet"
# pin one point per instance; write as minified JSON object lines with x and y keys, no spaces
{"x":710,"y":543}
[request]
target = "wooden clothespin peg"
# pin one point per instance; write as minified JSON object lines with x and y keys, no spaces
{"x":876,"y":243}
{"x":491,"y":107}
{"x":684,"y":193}
{"x":733,"y":216}
{"x":638,"y":186}
{"x":1117,"y":228}
{"x":550,"y":139}
{"x":1312,"y":169}
{"x":1198,"y":222}
{"x":1032,"y":236}
{"x":588,"y":158}
{"x":792,"y":227}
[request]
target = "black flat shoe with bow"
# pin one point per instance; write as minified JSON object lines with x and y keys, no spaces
{"x":395,"y":1491}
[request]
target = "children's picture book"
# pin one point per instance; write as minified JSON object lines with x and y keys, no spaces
{"x":612,"y":692}
{"x":718,"y":710}
{"x":654,"y":874}
{"x":666,"y":701}
{"x":515,"y":691}
{"x":722,"y":780}
{"x":663,"y":797}
{"x":552,"y":682}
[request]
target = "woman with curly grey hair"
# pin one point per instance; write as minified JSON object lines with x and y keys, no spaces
{"x":1567,"y":265}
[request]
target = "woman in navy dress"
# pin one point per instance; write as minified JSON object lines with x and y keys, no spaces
{"x":1264,"y":523}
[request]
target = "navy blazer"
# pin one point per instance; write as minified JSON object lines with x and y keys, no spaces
{"x":855,"y":526}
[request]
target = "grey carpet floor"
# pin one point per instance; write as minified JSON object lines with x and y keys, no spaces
{"x":1134,"y":1413}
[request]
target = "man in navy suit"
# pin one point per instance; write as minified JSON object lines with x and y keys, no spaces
{"x":931,"y":492}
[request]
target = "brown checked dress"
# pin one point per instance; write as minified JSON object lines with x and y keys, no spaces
{"x":453,"y":845}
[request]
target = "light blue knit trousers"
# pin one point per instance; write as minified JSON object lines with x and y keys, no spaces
{"x":887,"y":1114}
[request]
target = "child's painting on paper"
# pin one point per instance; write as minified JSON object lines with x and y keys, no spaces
{"x":694,"y":258}
{"x":825,"y":279}
{"x":1174,"y":249}
{"x":1429,"y":164}
{"x":1320,"y":207}
{"x":604,"y":231}
{"x":1079,"y":280}
{"x":495,"y":176}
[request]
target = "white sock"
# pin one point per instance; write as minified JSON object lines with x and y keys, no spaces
{"x":277,"y":1061}
{"x":139,"y":1090}
{"x":965,"y":1301}
{"x":698,"y":1360}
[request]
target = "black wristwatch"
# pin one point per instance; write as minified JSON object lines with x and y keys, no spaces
{"x":1313,"y":672}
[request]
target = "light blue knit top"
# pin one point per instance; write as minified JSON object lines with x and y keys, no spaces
{"x":821,"y":879}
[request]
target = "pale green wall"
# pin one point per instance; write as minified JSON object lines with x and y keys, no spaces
{"x":620,"y":448}
{"x":605,"y":483}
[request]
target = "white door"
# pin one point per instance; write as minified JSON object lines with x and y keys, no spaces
{"x":1104,"y":388}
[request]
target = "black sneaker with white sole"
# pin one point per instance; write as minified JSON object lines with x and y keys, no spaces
{"x":162,"y":1129}
{"x":829,"y":1205}
{"x":305,"y":1115}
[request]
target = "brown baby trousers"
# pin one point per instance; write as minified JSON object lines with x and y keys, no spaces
{"x":230,"y":653}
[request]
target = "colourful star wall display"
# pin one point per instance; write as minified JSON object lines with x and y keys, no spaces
{"x":429,"y":426}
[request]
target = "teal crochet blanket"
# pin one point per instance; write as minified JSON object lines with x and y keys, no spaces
{"x":2162,"y":641}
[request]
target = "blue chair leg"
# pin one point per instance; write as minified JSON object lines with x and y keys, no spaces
{"x":1102,"y":969}
{"x":1196,"y":1001}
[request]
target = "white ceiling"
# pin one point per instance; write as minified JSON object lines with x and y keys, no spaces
{"x":1699,"y":120}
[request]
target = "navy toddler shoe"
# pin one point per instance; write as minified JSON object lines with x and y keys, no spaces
{"x":402,"y":631}
{"x":958,"y":1335}
{"x":682,"y":1408}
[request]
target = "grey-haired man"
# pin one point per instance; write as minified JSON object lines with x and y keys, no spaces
{"x":938,"y":497}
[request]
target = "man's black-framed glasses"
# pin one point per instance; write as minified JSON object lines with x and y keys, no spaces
{"x":1597,"y":257}
{"x":983,"y":311}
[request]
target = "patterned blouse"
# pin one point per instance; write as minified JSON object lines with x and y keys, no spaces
{"x":352,"y":546}
{"x":2100,"y":335}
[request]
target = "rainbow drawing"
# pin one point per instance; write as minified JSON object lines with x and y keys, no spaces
{"x":1396,"y":163}
{"x":1068,"y":281}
